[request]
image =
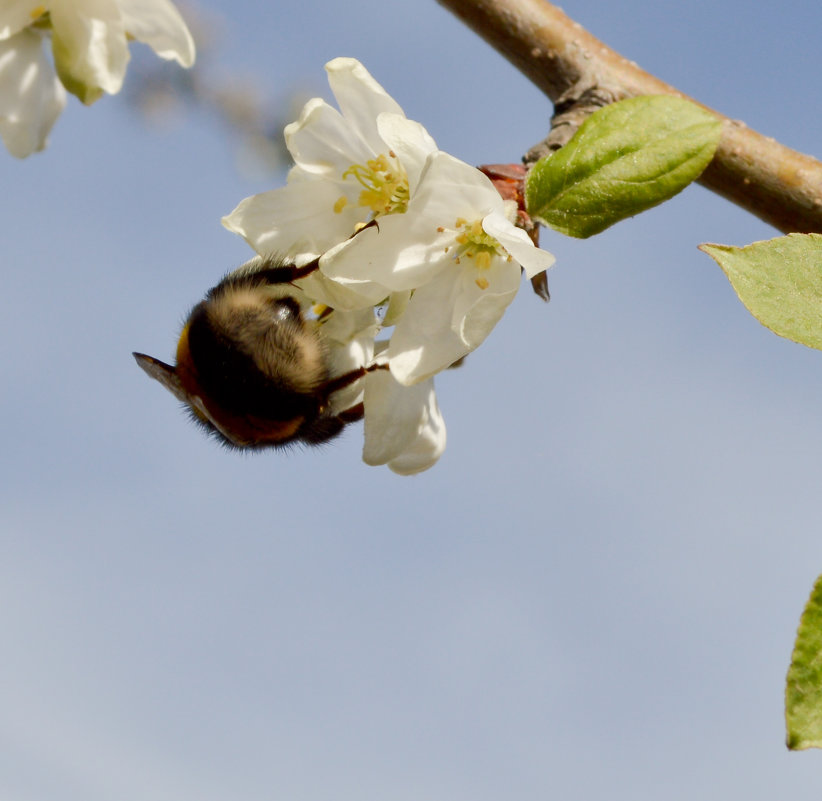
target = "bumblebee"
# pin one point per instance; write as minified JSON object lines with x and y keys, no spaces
{"x":252,"y":366}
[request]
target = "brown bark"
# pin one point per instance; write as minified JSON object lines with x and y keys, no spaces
{"x":579,"y":73}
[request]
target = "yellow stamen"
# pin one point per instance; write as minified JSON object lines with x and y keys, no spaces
{"x":483,"y":260}
{"x":473,"y":243}
{"x":37,"y":12}
{"x":341,"y":203}
{"x":384,"y":185}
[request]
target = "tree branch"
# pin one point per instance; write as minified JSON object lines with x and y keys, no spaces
{"x":777,"y":184}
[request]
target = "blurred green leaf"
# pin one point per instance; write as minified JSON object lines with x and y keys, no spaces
{"x":624,"y":159}
{"x":780,"y":283}
{"x":803,"y":694}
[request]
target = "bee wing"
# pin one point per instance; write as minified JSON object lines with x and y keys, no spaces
{"x":164,"y":373}
{"x":167,"y":376}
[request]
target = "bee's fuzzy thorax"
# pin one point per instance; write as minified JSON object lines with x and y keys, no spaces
{"x":273,"y":333}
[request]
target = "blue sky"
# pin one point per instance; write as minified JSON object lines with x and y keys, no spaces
{"x":592,"y":596}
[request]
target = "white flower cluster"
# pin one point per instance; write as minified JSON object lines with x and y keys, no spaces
{"x":89,"y":46}
{"x":399,"y":226}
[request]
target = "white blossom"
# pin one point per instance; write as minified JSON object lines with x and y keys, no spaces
{"x":457,"y":251}
{"x":89,"y":44}
{"x":31,"y":96}
{"x":351,"y":167}
{"x":404,"y":427}
{"x":393,"y":223}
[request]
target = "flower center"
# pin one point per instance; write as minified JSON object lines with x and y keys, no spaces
{"x":473,"y":243}
{"x":384,"y":186}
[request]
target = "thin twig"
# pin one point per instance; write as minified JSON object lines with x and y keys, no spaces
{"x":777,"y":184}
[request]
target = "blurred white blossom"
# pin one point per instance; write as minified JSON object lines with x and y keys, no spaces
{"x":31,"y":96}
{"x":89,"y":45}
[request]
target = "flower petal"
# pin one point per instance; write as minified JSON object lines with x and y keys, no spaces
{"x":534,"y":260}
{"x":159,"y":24}
{"x":450,"y":188}
{"x":296,"y":221}
{"x":322,"y":143}
{"x":424,"y":342}
{"x":397,"y":304}
{"x":345,"y":327}
{"x":348,"y":297}
{"x":449,"y":317}
{"x":89,"y":45}
{"x":477,"y":310}
{"x":427,"y":448}
{"x":409,"y":142}
{"x":360,"y":98}
{"x":401,"y":252}
{"x":403,"y":425}
{"x":31,"y":97}
{"x":18,"y":14}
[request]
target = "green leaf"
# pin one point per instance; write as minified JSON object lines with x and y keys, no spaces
{"x":803,"y":693}
{"x":780,"y":283}
{"x":624,"y":159}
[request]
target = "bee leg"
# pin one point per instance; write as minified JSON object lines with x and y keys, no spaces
{"x":322,"y":430}
{"x":353,"y":414}
{"x":273,"y":272}
{"x":346,"y":379}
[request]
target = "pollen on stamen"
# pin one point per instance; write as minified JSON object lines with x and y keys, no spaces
{"x":482,"y":283}
{"x":37,"y":12}
{"x":340,"y":204}
{"x":384,"y":185}
{"x":474,"y":243}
